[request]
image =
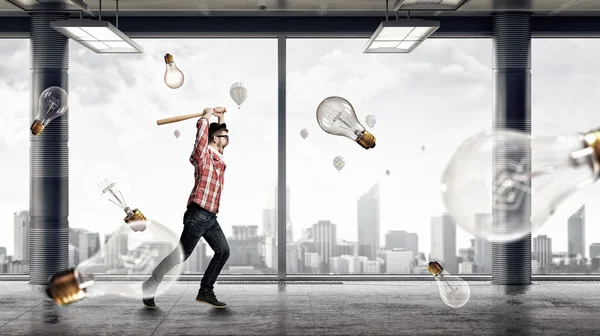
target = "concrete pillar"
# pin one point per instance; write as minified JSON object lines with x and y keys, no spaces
{"x":49,"y":154}
{"x":512,"y":110}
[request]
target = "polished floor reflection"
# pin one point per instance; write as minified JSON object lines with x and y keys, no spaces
{"x":348,"y":308}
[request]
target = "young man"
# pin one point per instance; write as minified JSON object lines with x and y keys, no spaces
{"x":200,"y":219}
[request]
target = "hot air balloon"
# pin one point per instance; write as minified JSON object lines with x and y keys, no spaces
{"x":177,"y":133}
{"x":339,"y":163}
{"x":388,"y":172}
{"x":423,"y":148}
{"x":371,"y":120}
{"x":238,"y":93}
{"x":304,"y":133}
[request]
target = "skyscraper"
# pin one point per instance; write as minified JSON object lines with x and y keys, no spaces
{"x":269,"y":222}
{"x":197,"y":262}
{"x":542,"y":251}
{"x":3,"y":255}
{"x":443,"y":242}
{"x":270,"y":228}
{"x":86,"y":242}
{"x":402,"y":240}
{"x":292,"y":258}
{"x":245,"y":246}
{"x":118,"y":246}
{"x":594,"y":250}
{"x":21,"y":235}
{"x":368,"y":222}
{"x":345,"y":248}
{"x":270,"y":237}
{"x":576,"y":233}
{"x":325,"y":238}
{"x":483,"y":247}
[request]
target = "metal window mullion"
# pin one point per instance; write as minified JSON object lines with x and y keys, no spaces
{"x":281,"y":158}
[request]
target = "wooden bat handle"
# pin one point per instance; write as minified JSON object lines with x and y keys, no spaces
{"x":178,"y":118}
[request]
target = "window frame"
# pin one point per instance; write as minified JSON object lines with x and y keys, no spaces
{"x":544,"y":30}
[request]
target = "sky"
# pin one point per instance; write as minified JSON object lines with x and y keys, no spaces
{"x":436,"y":96}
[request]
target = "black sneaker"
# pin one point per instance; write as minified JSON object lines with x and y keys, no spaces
{"x":148,"y":295}
{"x":210,"y":298}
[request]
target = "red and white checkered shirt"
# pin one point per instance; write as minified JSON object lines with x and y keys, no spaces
{"x":209,"y":170}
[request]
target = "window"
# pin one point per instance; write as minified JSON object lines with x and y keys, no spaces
{"x":360,"y":219}
{"x":115,"y":102}
{"x":14,"y":156}
{"x":564,"y":84}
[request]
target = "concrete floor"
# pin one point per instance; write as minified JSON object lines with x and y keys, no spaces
{"x":348,"y":308}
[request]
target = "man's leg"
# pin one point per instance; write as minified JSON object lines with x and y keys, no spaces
{"x":217,"y":241}
{"x":186,"y":242}
{"x":195,"y":224}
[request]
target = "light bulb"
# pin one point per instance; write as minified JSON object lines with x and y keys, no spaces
{"x":127,"y":252}
{"x":560,"y":165}
{"x":114,"y":195}
{"x":454,"y":291}
{"x":53,"y":103}
{"x":336,"y":116}
{"x":173,"y":76}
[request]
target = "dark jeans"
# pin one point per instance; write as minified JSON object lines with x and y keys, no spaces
{"x":197,"y":223}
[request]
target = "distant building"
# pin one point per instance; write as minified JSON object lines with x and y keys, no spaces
{"x":576,"y":232}
{"x":368,"y":222}
{"x":402,"y":240}
{"x":542,"y":252}
{"x":443,"y":242}
{"x":21,"y":235}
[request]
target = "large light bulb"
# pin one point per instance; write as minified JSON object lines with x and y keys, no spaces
{"x":560,"y":165}
{"x":454,"y":291}
{"x":114,"y":195}
{"x":173,"y":76}
{"x":53,"y":103}
{"x":336,"y":116}
{"x":127,"y":252}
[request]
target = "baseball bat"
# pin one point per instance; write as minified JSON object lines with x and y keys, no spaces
{"x":179,"y":118}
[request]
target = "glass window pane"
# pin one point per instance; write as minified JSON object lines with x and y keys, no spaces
{"x":115,"y":102}
{"x":564,"y":84}
{"x":362,"y":219}
{"x":14,"y":155}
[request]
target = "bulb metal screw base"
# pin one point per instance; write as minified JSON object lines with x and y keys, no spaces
{"x":63,"y":287}
{"x":366,"y":140}
{"x":168,"y":58}
{"x":592,"y":142}
{"x":137,"y":215}
{"x":37,"y":127}
{"x":435,"y":268}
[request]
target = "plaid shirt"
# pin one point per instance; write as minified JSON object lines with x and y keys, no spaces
{"x":209,"y":170}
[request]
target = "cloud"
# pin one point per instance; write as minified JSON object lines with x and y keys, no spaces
{"x":14,"y":72}
{"x":435,"y":96}
{"x":452,"y":69}
{"x":363,"y":76}
{"x":564,"y":83}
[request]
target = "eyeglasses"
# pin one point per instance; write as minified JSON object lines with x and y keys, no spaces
{"x":223,"y":136}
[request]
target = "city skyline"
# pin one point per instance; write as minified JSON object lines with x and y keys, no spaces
{"x":123,"y":95}
{"x":320,"y":251}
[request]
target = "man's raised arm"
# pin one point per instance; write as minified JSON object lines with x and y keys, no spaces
{"x":201,"y":144}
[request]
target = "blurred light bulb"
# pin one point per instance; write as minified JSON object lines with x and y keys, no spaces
{"x":127,"y":252}
{"x":336,"y":116}
{"x":560,"y":166}
{"x":53,"y":103}
{"x":173,"y":76}
{"x":114,"y":195}
{"x":454,"y":291}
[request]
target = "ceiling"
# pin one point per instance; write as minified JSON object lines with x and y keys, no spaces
{"x":418,"y":8}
